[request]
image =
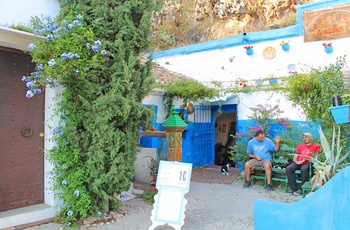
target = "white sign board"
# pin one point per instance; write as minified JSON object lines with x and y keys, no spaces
{"x":173,"y":181}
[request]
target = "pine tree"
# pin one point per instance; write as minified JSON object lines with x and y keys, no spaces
{"x":111,"y":95}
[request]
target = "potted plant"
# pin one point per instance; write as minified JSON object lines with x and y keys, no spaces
{"x":334,"y":160}
{"x":339,"y":111}
{"x":328,"y":48}
{"x":285,"y":46}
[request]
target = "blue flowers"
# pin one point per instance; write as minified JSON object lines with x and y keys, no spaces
{"x":68,"y":224}
{"x":31,"y":46}
{"x":98,"y":43}
{"x":69,"y":55}
{"x":103,"y":52}
{"x":60,"y":204}
{"x":99,"y":213}
{"x":70,"y":213}
{"x":49,"y":37}
{"x":40,"y":67}
{"x":37,"y":91}
{"x":29,"y":84}
{"x":95,"y":48}
{"x":52,"y":62}
{"x":29,"y":94}
{"x":58,"y":131}
{"x":64,"y":182}
{"x":76,"y":193}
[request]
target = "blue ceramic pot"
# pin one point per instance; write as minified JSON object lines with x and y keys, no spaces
{"x":249,"y":51}
{"x":273,"y":81}
{"x":328,"y":49}
{"x":285,"y":46}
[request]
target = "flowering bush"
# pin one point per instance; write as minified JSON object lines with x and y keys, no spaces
{"x":61,"y":56}
{"x":95,"y":58}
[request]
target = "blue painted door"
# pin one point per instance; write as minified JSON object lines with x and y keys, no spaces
{"x":203,"y":147}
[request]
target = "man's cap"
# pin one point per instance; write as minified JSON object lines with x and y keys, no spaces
{"x":307,"y":134}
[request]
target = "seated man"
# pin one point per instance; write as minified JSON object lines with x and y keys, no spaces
{"x":301,"y":162}
{"x":259,"y":149}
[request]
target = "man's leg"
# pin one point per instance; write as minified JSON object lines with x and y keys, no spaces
{"x":249,"y":165}
{"x":247,"y":169}
{"x":304,"y":173}
{"x":267,"y":166}
{"x":290,"y":175}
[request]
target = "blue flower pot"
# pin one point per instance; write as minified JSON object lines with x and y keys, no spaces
{"x":273,"y":81}
{"x":285,"y":47}
{"x":328,"y":49}
{"x":249,"y":51}
{"x":341,"y":114}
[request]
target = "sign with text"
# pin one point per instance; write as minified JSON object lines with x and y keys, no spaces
{"x":173,"y":181}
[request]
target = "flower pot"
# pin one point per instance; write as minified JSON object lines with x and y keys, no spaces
{"x":273,"y":81}
{"x":328,"y":49}
{"x":249,"y":51}
{"x":286,"y":46}
{"x":341,"y":114}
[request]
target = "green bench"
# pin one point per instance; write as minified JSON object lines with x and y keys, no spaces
{"x":278,"y":174}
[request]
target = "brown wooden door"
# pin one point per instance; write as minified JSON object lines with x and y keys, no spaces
{"x":21,"y":145}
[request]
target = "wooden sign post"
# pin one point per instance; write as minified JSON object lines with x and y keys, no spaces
{"x":173,"y":182}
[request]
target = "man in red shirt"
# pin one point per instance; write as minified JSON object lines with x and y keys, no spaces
{"x":301,"y":162}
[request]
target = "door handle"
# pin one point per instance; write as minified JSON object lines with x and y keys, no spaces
{"x":27,"y":131}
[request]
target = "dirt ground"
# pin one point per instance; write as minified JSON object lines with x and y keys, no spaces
{"x":209,"y":206}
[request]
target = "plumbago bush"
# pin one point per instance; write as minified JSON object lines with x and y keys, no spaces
{"x":92,"y":50}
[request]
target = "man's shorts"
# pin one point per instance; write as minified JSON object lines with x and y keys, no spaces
{"x":255,"y":162}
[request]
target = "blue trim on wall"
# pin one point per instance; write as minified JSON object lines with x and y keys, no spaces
{"x":252,"y":37}
{"x":304,"y":126}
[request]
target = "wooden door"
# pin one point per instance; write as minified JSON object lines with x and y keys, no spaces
{"x":21,"y":141}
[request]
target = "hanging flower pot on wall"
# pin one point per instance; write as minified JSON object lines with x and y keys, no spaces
{"x":341,"y":114}
{"x":249,"y":50}
{"x":285,"y":46}
{"x":273,"y":81}
{"x":328,"y":48}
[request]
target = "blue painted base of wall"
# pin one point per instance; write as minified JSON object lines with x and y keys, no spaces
{"x":327,"y":208}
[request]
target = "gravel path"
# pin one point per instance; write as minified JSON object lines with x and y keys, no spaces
{"x":210,"y":206}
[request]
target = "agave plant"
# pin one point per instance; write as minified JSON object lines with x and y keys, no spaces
{"x":333,"y":162}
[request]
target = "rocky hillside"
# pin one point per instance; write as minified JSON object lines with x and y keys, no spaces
{"x":184,"y":22}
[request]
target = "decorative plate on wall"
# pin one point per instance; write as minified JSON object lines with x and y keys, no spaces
{"x":269,"y":53}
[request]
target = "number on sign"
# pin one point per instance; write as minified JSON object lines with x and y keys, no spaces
{"x":183,"y":176}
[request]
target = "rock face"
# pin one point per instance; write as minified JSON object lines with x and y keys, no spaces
{"x":184,"y":22}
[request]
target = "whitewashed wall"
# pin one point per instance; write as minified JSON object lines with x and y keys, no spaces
{"x":215,"y":65}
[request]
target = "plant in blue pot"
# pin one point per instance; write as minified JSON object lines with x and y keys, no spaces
{"x":249,"y":50}
{"x":285,"y":46}
{"x":328,"y":48}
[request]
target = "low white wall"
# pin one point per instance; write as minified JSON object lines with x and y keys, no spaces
{"x":143,"y":159}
